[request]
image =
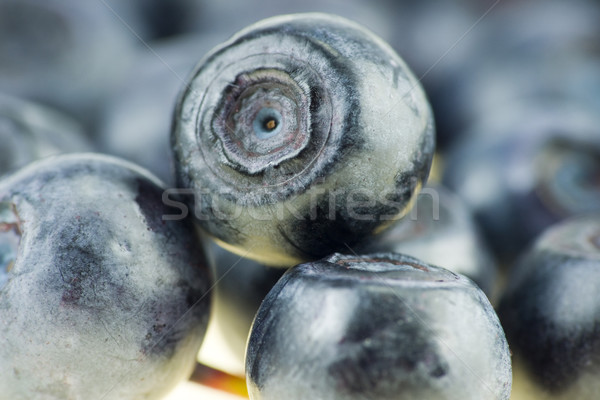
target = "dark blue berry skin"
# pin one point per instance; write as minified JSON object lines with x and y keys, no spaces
{"x":30,"y":131}
{"x":525,"y":168}
{"x":382,"y":326}
{"x":354,"y":126}
{"x":551,"y":307}
{"x":100,"y":297}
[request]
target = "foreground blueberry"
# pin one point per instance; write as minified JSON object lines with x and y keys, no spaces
{"x":99,"y":297}
{"x":551,"y":311}
{"x":382,"y":326}
{"x":300,"y":134}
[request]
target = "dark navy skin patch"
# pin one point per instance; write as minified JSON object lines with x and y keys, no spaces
{"x":376,"y":326}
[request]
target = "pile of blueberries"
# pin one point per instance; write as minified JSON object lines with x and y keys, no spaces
{"x":289,"y":184}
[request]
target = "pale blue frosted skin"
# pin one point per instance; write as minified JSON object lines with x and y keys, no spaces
{"x":354,"y":120}
{"x":382,"y":326}
{"x":104,"y":297}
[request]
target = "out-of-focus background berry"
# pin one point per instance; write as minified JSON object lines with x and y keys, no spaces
{"x":514,"y":85}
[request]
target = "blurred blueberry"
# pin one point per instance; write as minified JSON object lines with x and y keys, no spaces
{"x":528,"y":49}
{"x":525,"y":167}
{"x":155,"y":19}
{"x":551,"y":311}
{"x":29,"y":131}
{"x":439,"y":40}
{"x":232,"y":15}
{"x":563,"y":77}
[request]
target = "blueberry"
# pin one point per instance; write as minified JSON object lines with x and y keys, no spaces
{"x":354,"y":144}
{"x":30,"y":131}
{"x":381,"y":326}
{"x":440,"y":230}
{"x":167,"y":18}
{"x":423,"y":33}
{"x":551,"y":307}
{"x":156,"y":19}
{"x":525,"y":168}
{"x":99,"y":297}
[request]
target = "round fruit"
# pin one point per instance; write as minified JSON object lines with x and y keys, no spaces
{"x":65,"y":53}
{"x":382,"y":326}
{"x":551,"y":311}
{"x":30,"y":131}
{"x":300,"y":134}
{"x":99,"y":297}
